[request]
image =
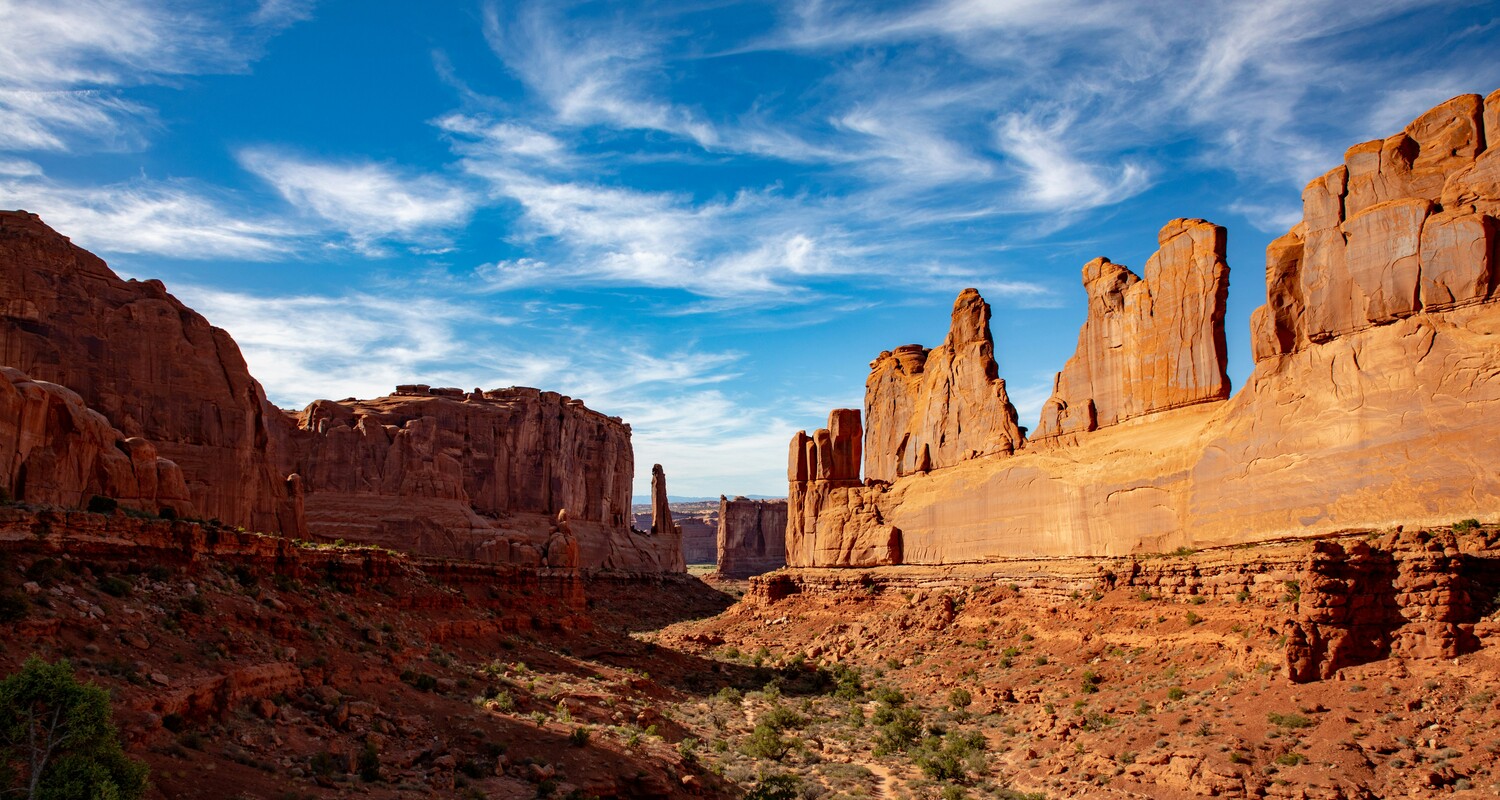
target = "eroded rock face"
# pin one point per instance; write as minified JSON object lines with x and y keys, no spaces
{"x":828,"y":520}
{"x":1372,"y":403}
{"x":1405,"y":224}
{"x":929,"y":409}
{"x":1148,"y":344}
{"x":153,"y":367}
{"x":662,"y":527}
{"x":480,"y":474}
{"x":751,"y":536}
{"x":55,"y":450}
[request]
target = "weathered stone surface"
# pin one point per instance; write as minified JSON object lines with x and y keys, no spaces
{"x":751,"y":536}
{"x":932,"y":409}
{"x":828,"y":520}
{"x":1372,"y":403}
{"x":55,"y":450}
{"x":699,"y":522}
{"x":1368,"y":254}
{"x":662,"y":527}
{"x":481,"y":476}
{"x":1147,"y":345}
{"x":153,"y":367}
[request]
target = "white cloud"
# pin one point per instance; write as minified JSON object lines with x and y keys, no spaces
{"x":169,"y":218}
{"x":1055,"y":178}
{"x":372,"y":203}
{"x":65,"y":63}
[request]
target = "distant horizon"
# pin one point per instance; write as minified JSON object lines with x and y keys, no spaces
{"x":645,"y":499}
{"x":704,"y":220}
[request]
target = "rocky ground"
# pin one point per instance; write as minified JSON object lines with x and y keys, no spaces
{"x":248,"y":670}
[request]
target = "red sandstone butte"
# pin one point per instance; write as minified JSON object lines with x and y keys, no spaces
{"x":751,"y":536}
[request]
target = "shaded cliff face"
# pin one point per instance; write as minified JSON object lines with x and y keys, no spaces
{"x":927,"y":409}
{"x":479,"y":475}
{"x":1148,"y":344}
{"x":751,"y":536}
{"x":57,"y":451}
{"x":1372,"y":403}
{"x":699,"y":522}
{"x":152,"y":366}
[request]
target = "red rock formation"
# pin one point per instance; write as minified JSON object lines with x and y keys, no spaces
{"x":55,"y":450}
{"x":1147,"y":345}
{"x":1372,"y":403}
{"x":1408,"y":595}
{"x":929,"y":409}
{"x":699,"y":522}
{"x":662,"y":527}
{"x":751,"y":536}
{"x":828,"y":520}
{"x":478,"y":475}
{"x":153,"y":367}
{"x":1405,"y":224}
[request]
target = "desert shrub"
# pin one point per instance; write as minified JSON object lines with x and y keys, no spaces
{"x":952,"y":757}
{"x":888,"y":696}
{"x":1466,"y":525}
{"x":960,"y":698}
{"x":115,"y":586}
{"x":1290,"y":759}
{"x":780,"y":718}
{"x":369,"y":763}
{"x":767,"y":742}
{"x":1291,"y":721}
{"x":1176,"y":693}
{"x":1090,"y":682}
{"x":898,"y":729}
{"x":59,"y":735}
{"x":786,"y":786}
{"x":579,"y":737}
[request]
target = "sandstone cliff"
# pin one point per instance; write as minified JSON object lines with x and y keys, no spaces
{"x":57,"y":451}
{"x":699,"y":521}
{"x":751,"y":536}
{"x":1148,"y":344}
{"x":161,"y":413}
{"x":153,"y":367}
{"x":926,"y":409}
{"x":479,"y":475}
{"x":1372,"y":403}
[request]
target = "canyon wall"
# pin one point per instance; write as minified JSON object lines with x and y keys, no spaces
{"x":115,"y":388}
{"x":1372,"y":402}
{"x":751,"y":536}
{"x":153,"y":367}
{"x":479,"y":475}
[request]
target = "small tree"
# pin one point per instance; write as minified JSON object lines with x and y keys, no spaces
{"x":57,"y":740}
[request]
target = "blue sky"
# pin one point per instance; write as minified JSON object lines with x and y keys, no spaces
{"x":707,"y":217}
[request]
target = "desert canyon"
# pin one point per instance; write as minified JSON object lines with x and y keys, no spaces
{"x":1167,"y":587}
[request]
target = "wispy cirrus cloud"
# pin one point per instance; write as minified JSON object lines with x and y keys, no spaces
{"x":372,"y":203}
{"x":178,"y":219}
{"x":64,"y":63}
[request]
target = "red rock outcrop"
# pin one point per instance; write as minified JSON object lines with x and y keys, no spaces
{"x":479,"y":475}
{"x":928,"y":409}
{"x":153,"y":367}
{"x":1405,"y":224}
{"x":1372,"y":403}
{"x":55,"y":450}
{"x":751,"y":536}
{"x":1148,"y":344}
{"x":662,"y":528}
{"x":828,"y":519}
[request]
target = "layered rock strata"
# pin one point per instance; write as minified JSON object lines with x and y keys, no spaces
{"x":156,"y":369}
{"x":480,"y":475}
{"x":751,"y":536}
{"x":1148,"y":344}
{"x":1372,"y":402}
{"x":662,"y":528}
{"x":927,"y":409}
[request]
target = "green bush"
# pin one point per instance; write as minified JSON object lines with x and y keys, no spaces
{"x":960,"y":698}
{"x":59,"y":733}
{"x":766,"y":742}
{"x":579,"y":737}
{"x":1288,"y":720}
{"x":115,"y":586}
{"x":899,"y":729}
{"x":776,"y":787}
